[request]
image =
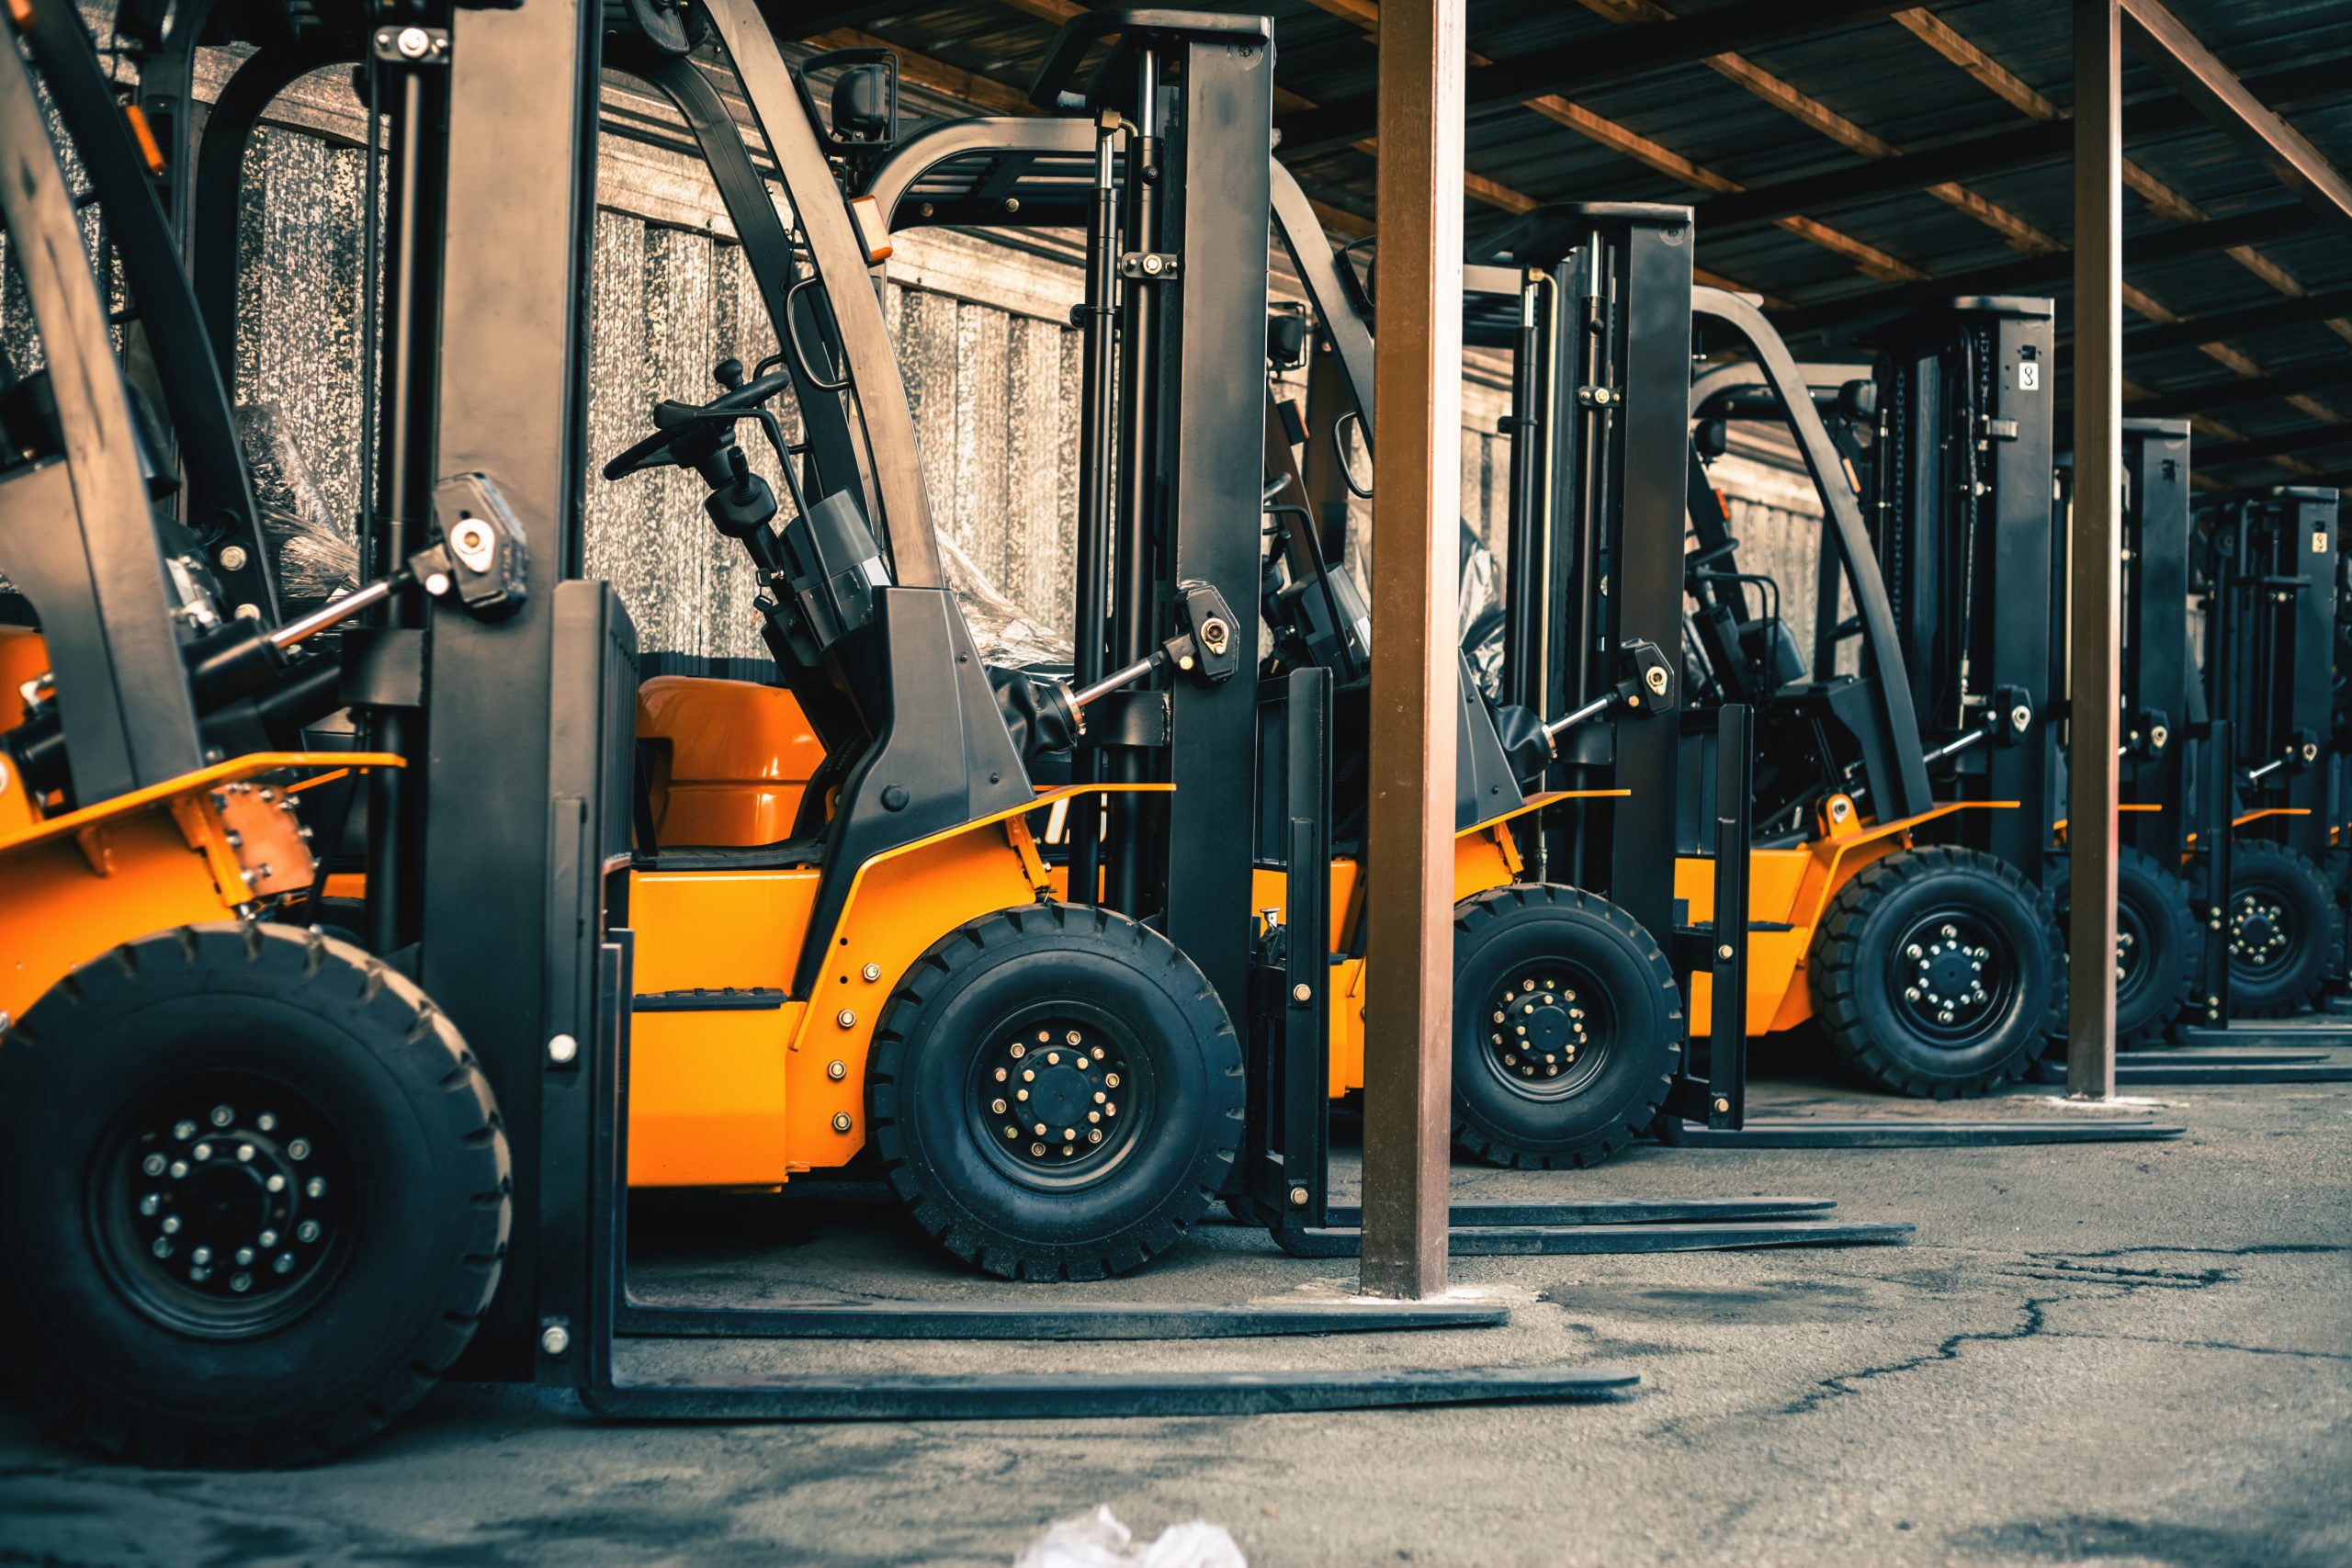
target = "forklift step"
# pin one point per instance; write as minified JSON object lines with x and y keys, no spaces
{"x":1528,"y":1241}
{"x":1904,"y":1133}
{"x":955,"y":1398}
{"x":858,"y":1318}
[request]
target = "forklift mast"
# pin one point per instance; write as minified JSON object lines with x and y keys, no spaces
{"x":1599,"y":388}
{"x":2157,"y":673}
{"x":1957,"y":485}
{"x":2269,"y":639}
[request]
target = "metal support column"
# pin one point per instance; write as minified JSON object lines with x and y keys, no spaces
{"x":1417,"y":490}
{"x":2097,"y":545}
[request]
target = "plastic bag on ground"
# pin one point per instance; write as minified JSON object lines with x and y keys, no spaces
{"x":1099,"y":1541}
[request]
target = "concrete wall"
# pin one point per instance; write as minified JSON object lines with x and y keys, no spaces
{"x":989,"y":360}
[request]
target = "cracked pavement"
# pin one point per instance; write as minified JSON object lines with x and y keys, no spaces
{"x":2115,"y":1354}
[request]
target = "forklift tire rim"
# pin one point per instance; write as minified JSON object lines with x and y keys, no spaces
{"x":2132,"y":965}
{"x":1073,"y":1071}
{"x":2263,"y":937}
{"x":1548,"y":1027}
{"x":219,"y":1205}
{"x":1951,"y":978}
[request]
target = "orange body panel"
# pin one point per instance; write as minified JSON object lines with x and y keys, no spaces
{"x":1792,"y":888}
{"x":746,"y":1099}
{"x":23,"y":656}
{"x":82,"y":883}
{"x":738,"y":759}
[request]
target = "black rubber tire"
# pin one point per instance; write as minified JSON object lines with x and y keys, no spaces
{"x":2313,"y":925}
{"x":1054,"y":965}
{"x":1504,"y":1114}
{"x":1861,"y":1007}
{"x":2153,"y":907}
{"x":408,"y":1268}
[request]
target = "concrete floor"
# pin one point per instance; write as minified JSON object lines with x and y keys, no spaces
{"x":2120,"y":1354}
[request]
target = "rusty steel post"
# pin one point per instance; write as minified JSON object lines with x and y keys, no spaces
{"x":2096,"y":545}
{"x":1417,"y":484}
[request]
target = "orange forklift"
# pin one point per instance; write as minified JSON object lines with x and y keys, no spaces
{"x":260,"y":1187}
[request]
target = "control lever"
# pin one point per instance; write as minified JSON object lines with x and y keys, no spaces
{"x":1206,"y":646}
{"x":1647,"y":687}
{"x":2006,"y":720}
{"x":2150,"y":732}
{"x":2300,"y":752}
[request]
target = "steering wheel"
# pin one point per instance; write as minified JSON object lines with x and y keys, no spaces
{"x":680,"y":420}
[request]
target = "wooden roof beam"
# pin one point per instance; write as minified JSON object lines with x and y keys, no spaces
{"x":1811,"y":112}
{"x":2005,"y":151}
{"x":2271,"y":448}
{"x":2159,"y":38}
{"x":1659,"y":46}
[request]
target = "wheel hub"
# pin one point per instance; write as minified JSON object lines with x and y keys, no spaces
{"x":2259,"y":931}
{"x":227,"y":1209}
{"x":1536,"y":1024}
{"x":1054,"y":1095}
{"x":1949,"y":982}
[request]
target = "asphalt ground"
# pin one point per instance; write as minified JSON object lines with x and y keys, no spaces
{"x":2131,"y":1353}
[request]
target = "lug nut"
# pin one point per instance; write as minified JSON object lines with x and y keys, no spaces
{"x":314,"y":1188}
{"x":307,"y":1231}
{"x":222,"y":1116}
{"x":299,"y":1149}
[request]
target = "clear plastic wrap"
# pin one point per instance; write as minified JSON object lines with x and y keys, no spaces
{"x":1481,"y":586}
{"x":313,"y":552}
{"x":1006,"y":635}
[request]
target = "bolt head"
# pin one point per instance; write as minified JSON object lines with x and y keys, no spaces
{"x":842,"y":1122}
{"x":555,"y":1339}
{"x":1302,"y":992}
{"x":563,"y":1050}
{"x":846,"y":1018}
{"x":837,"y":1069}
{"x":414,"y":44}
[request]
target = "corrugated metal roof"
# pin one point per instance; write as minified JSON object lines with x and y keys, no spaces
{"x":1688,"y":129}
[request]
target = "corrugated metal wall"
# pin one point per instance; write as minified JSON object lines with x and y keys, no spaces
{"x":994,"y":388}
